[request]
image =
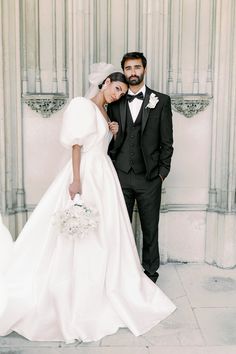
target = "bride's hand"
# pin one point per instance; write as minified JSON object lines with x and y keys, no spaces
{"x":114,"y":127}
{"x":74,"y":188}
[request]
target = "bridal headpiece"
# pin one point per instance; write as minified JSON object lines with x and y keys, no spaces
{"x":98,"y":73}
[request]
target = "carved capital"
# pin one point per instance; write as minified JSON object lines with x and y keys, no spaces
{"x":189,"y":105}
{"x":45,"y":103}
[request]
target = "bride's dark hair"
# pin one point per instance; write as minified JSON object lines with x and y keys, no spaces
{"x":116,"y":76}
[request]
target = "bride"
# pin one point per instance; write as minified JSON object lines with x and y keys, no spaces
{"x":62,"y":289}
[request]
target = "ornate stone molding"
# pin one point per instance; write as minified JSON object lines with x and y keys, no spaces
{"x":189,"y":105}
{"x":45,"y":103}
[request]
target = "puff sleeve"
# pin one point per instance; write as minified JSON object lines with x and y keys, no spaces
{"x":79,"y":124}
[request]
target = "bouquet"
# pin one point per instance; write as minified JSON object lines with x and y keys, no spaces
{"x":77,"y":220}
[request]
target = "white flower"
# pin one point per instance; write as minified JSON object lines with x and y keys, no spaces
{"x":76,"y":221}
{"x":153,"y":100}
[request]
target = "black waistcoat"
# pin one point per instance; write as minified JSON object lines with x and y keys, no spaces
{"x":130,"y":155}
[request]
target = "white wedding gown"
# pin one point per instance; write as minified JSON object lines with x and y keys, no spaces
{"x":58,"y":289}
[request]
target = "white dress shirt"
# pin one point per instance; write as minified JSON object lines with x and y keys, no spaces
{"x":136,"y":104}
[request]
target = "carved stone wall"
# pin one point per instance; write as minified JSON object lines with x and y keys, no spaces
{"x":46,"y":48}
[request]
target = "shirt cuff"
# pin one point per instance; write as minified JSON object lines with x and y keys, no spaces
{"x":162,"y":179}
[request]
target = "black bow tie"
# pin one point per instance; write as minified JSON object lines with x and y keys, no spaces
{"x":130,"y":98}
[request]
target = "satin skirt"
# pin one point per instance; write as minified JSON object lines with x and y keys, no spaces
{"x":57,"y":289}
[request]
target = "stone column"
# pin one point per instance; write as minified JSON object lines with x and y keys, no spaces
{"x":12,"y":185}
{"x":221,"y":218}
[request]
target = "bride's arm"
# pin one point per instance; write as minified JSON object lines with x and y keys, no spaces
{"x":75,"y":186}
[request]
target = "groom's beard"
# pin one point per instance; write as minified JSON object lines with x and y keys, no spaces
{"x":135,"y":79}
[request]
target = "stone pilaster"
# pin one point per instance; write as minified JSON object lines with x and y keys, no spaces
{"x":12,"y":186}
{"x":221,"y":226}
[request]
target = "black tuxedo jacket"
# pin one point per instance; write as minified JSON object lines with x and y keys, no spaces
{"x":156,"y":136}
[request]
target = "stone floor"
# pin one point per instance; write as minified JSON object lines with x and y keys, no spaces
{"x":204,"y":323}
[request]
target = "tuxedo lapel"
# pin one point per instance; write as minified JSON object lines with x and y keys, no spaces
{"x":123,"y":111}
{"x":146,"y":111}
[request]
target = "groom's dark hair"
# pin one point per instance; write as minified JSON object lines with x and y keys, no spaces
{"x":134,"y":55}
{"x":116,"y":76}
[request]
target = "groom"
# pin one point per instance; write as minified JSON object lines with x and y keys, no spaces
{"x":142,"y":152}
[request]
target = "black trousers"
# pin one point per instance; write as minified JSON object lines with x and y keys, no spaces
{"x":148,"y":197}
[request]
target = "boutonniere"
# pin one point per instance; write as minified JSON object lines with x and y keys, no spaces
{"x":153,"y":100}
